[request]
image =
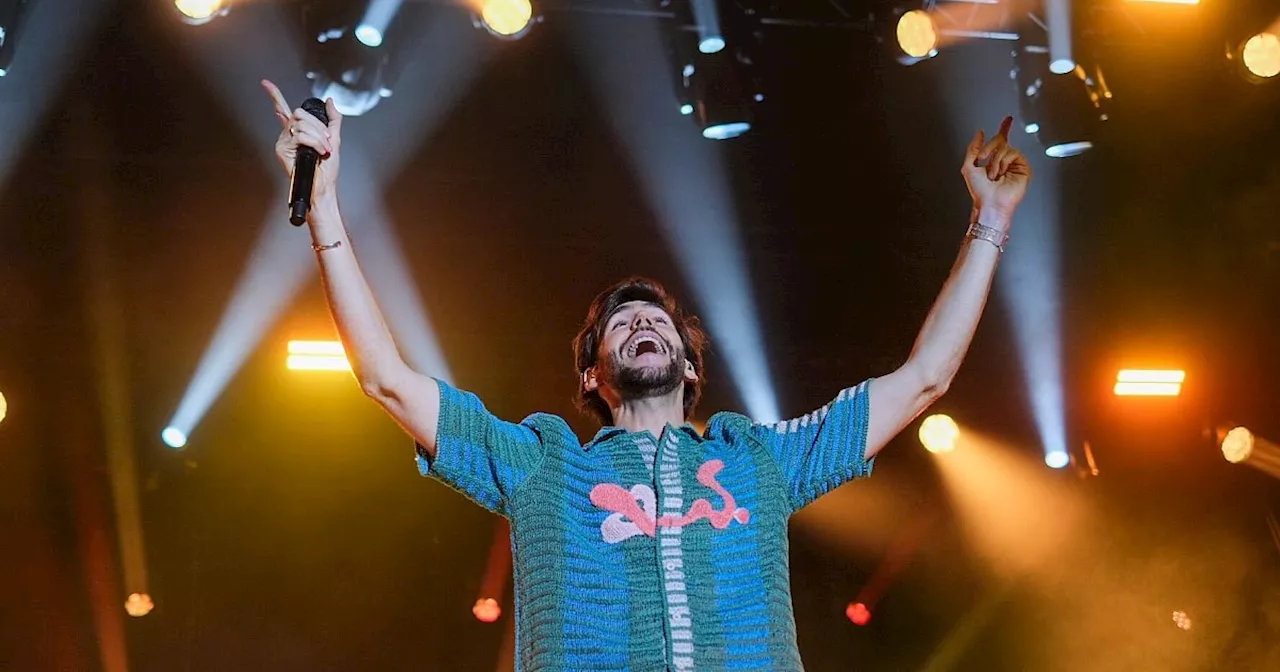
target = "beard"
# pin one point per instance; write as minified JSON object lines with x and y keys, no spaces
{"x":643,"y":382}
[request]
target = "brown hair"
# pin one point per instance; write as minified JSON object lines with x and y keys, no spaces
{"x":586,"y":345}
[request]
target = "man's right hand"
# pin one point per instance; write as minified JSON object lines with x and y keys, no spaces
{"x":300,"y":128}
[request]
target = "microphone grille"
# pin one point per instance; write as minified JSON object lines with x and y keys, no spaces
{"x":316,"y":108}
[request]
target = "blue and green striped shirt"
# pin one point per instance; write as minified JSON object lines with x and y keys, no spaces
{"x":636,"y":552}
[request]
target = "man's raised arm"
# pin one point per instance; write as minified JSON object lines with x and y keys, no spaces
{"x":411,"y":398}
{"x":997,"y":176}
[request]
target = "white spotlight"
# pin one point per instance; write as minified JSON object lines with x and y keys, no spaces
{"x":726,"y":131}
{"x":174,"y":438}
{"x":1058,"y":24}
{"x":1066,"y":149}
{"x":377,"y":18}
{"x":707,"y":17}
{"x":368,"y":35}
{"x":1057,"y":459}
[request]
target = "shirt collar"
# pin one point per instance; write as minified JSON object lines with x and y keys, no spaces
{"x":608,"y":433}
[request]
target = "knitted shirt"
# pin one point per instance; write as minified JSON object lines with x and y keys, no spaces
{"x":643,"y":553}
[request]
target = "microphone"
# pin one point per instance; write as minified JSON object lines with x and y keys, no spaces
{"x":304,"y":168}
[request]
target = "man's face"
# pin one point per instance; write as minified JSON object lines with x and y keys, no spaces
{"x":641,"y":354}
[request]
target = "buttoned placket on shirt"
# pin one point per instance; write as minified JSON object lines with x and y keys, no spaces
{"x":669,"y":493}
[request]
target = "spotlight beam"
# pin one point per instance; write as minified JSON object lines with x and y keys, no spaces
{"x":684,"y":179}
{"x":277,"y":269}
{"x":281,"y":263}
{"x":385,"y":267}
{"x":438,"y":70}
{"x":105,"y":316}
{"x":257,"y":41}
{"x":377,"y":18}
{"x":1058,"y":26}
{"x":50,"y":36}
{"x":707,"y":18}
{"x":1030,"y":278}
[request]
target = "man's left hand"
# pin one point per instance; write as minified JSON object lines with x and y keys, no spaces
{"x":997,"y":176}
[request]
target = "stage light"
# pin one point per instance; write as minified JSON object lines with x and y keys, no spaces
{"x":685,"y":184}
{"x":486,"y":610}
{"x":1237,"y":445}
{"x":1260,"y":56}
{"x":917,"y":34}
{"x":1063,"y":111}
{"x":858,"y":613}
{"x":139,"y":604}
{"x":373,"y":26}
{"x":721,"y":105}
{"x":718,"y":83}
{"x":317,"y":356}
{"x":173,"y":437}
{"x":1241,"y":446}
{"x":1057,"y":22}
{"x":342,"y":63}
{"x":1057,"y":459}
{"x":1169,"y":2}
{"x":12,"y":17}
{"x":706,"y":16}
{"x":506,"y":19}
{"x":200,"y":12}
{"x":1149,"y":383}
{"x":369,"y":35}
{"x":938,"y":433}
{"x":1181,"y":620}
{"x":4,"y":407}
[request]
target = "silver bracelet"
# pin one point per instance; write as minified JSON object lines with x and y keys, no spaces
{"x":330,"y":246}
{"x":996,"y":237}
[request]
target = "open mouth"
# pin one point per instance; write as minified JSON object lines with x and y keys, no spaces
{"x":643,"y":344}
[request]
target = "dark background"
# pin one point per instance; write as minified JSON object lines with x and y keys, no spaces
{"x":294,"y":531}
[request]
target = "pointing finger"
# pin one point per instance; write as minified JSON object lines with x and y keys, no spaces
{"x":277,"y":98}
{"x":1004,"y":128}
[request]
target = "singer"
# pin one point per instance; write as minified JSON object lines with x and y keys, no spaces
{"x":652,"y":547}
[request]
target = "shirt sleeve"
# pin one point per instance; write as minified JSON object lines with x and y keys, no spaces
{"x":821,"y":451}
{"x":477,"y":454}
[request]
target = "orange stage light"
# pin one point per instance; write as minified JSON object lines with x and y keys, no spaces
{"x":487,"y":610}
{"x":317,"y":356}
{"x":139,"y":604}
{"x":938,"y":433}
{"x":917,"y":34}
{"x":1261,"y":55}
{"x":506,"y":18}
{"x":1149,"y":383}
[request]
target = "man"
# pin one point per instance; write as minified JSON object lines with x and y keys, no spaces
{"x":652,"y":547}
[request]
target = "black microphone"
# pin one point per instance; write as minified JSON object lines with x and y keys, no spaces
{"x":304,"y":168}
